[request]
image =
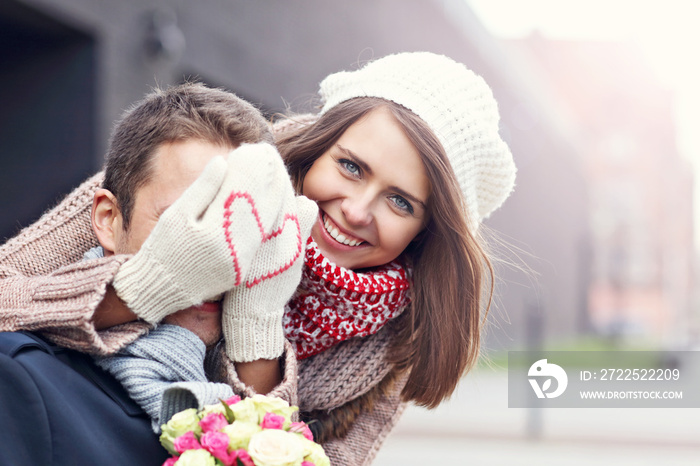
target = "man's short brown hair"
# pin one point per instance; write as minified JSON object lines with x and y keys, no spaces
{"x":179,"y":113}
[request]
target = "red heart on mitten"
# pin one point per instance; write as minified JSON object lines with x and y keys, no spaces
{"x":281,"y":246}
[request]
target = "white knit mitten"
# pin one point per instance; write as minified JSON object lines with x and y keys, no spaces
{"x":203,"y":244}
{"x":252,"y":313}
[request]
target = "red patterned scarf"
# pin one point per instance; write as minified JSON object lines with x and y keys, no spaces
{"x":333,"y":303}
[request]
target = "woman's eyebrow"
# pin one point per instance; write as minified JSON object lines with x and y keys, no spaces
{"x":408,"y":196}
{"x":350,"y":154}
{"x":365,"y":167}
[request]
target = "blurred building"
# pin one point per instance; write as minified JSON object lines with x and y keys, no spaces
{"x":70,"y":67}
{"x":641,"y":212}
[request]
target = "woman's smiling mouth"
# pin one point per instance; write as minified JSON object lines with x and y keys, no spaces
{"x":341,"y":238}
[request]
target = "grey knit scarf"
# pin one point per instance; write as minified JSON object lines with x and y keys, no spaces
{"x":163,"y":371}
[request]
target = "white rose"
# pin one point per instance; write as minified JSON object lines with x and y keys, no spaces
{"x":180,"y":423}
{"x":213,"y":408}
{"x":196,"y":458}
{"x":240,"y":433}
{"x":274,"y":447}
{"x":314,"y":453}
{"x":265,"y":404}
{"x":245,"y":411}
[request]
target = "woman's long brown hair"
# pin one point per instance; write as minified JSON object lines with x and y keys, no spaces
{"x":439,"y":336}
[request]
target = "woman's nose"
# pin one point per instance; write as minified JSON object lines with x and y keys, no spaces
{"x":357,"y":210}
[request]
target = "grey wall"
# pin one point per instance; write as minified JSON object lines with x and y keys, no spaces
{"x":275,"y":52}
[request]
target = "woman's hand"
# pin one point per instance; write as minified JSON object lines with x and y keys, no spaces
{"x":252,"y":312}
{"x":204,"y":243}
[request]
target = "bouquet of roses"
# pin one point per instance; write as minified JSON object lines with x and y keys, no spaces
{"x":256,"y":431}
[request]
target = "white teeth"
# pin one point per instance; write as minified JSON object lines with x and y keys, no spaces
{"x":336,"y":235}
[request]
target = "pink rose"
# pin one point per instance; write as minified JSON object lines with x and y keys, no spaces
{"x":186,"y":441}
{"x":233,"y":400}
{"x":216,"y":443}
{"x":241,"y":455}
{"x":303,"y":429}
{"x":272,"y":421}
{"x":307,"y":463}
{"x":229,"y":459}
{"x":244,"y":457}
{"x":213,"y":422}
{"x":171,"y":461}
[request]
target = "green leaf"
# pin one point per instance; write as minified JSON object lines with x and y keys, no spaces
{"x":227,"y":409}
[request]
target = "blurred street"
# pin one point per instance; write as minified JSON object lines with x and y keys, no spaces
{"x":477,"y":428}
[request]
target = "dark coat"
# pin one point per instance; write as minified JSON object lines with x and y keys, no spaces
{"x":58,"y":408}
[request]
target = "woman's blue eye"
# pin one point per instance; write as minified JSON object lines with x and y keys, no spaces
{"x":402,"y":204}
{"x":350,"y":166}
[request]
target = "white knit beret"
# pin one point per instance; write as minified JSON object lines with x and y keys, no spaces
{"x":456,"y":104}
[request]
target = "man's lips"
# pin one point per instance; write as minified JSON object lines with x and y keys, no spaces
{"x":208,"y":307}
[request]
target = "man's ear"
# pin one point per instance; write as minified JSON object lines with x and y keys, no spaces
{"x":106,"y":220}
